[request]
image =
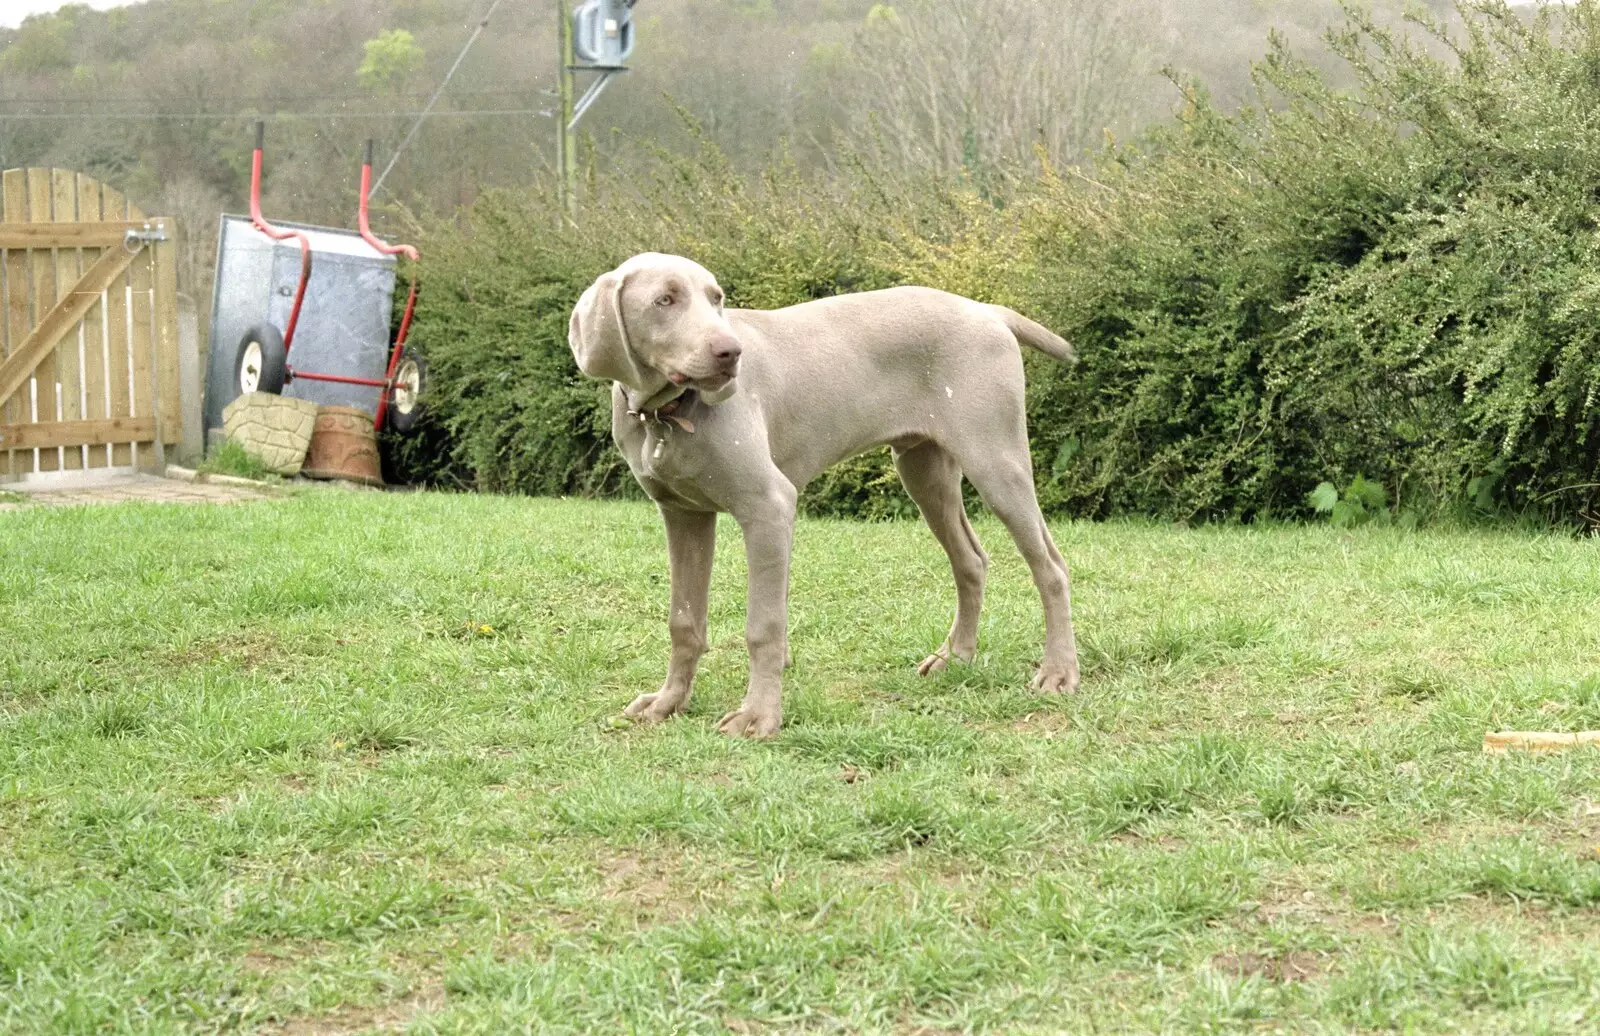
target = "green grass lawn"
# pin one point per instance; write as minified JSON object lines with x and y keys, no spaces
{"x":347,"y":761}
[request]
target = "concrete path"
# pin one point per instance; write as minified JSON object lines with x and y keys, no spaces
{"x":125,"y":489}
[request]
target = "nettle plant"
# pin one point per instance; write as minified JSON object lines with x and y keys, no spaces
{"x":1362,"y":502}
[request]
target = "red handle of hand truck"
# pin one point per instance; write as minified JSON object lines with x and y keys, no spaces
{"x":367,"y":235}
{"x":410,"y":252}
{"x":260,"y":223}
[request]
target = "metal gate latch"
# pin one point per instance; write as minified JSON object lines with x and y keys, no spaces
{"x":135,"y":239}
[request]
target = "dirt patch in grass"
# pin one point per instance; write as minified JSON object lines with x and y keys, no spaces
{"x":1294,"y":966}
{"x":262,"y":962}
{"x":1045,"y":724}
{"x":391,"y":1017}
{"x":652,"y":888}
{"x":904,"y":869}
{"x":271,"y":958}
{"x":244,"y":650}
{"x":1294,"y":903}
{"x":1171,"y":843}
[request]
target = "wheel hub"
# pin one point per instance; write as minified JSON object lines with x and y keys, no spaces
{"x":407,"y":383}
{"x":250,"y":368}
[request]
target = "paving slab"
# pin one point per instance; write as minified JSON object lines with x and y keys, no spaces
{"x":126,"y":489}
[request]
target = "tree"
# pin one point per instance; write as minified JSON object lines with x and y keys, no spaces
{"x":41,"y":46}
{"x":964,"y":85}
{"x":389,"y":61}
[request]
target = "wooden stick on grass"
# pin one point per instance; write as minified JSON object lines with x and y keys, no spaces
{"x":1504,"y":741}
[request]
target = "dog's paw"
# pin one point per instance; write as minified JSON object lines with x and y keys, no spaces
{"x":654,"y":708}
{"x":755,"y":723}
{"x":940,"y":660}
{"x":1056,"y":679}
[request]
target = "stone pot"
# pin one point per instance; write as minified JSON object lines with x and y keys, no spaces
{"x":273,"y":429}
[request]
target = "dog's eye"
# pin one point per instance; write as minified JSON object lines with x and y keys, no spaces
{"x":665,"y":300}
{"x":716,"y":300}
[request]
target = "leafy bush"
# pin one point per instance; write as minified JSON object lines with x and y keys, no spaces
{"x":508,"y":409}
{"x":1399,"y":280}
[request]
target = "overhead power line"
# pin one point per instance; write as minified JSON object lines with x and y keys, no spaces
{"x":189,"y":116}
{"x":282,"y":100}
{"x":483,"y":23}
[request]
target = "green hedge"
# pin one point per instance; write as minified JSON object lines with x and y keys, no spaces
{"x":1397,"y":281}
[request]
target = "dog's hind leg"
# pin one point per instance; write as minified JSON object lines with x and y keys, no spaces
{"x":1005,"y":482}
{"x":933,"y":479}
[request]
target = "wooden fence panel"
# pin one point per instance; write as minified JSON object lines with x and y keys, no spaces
{"x":92,"y":335}
{"x":14,"y":206}
{"x":69,"y":355}
{"x":142,"y":283}
{"x":44,"y":388}
{"x":164,"y":257}
{"x":117,"y":320}
{"x":96,"y":315}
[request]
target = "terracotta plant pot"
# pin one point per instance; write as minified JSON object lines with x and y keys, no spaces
{"x":344,"y":446}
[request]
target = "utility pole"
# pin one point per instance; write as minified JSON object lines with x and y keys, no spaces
{"x":566,"y":134}
{"x":600,"y":32}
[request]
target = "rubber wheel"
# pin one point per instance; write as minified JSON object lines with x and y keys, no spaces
{"x":262,"y":363}
{"x":410,"y":381}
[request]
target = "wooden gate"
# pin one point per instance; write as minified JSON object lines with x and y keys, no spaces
{"x":89,"y":335}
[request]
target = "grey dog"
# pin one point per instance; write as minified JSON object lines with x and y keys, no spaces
{"x":737,"y":410}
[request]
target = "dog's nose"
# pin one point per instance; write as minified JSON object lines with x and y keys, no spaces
{"x":726,"y":349}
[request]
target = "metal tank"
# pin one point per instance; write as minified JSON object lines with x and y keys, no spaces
{"x":344,"y":321}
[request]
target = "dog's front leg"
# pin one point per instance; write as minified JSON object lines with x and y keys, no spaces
{"x":768,"y":526}
{"x":691,"y":542}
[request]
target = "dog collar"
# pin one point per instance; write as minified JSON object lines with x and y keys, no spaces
{"x":664,"y":412}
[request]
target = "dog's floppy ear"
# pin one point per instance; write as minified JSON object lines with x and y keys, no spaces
{"x":598,"y":334}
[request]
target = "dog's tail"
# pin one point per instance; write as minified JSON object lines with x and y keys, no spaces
{"x":1037,"y":335}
